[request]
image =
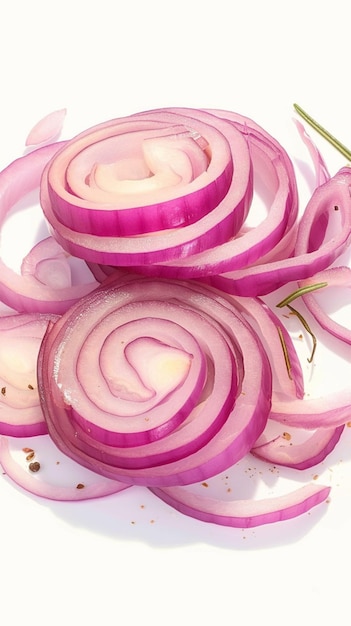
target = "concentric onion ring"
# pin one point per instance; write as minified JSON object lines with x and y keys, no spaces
{"x":176,"y":224}
{"x":180,"y":409}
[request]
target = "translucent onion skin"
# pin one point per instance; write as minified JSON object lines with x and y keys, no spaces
{"x":220,"y":417}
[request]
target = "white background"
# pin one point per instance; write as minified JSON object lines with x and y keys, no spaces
{"x":87,"y":563}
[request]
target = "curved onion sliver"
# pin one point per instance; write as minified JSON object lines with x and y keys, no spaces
{"x":244,"y":513}
{"x":20,"y":339}
{"x":24,"y":292}
{"x":94,"y":486}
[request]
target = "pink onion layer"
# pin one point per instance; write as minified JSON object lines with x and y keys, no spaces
{"x":33,"y":291}
{"x":20,"y":408}
{"x":244,"y":513}
{"x":334,"y":277}
{"x":94,"y":486}
{"x":282,"y":449}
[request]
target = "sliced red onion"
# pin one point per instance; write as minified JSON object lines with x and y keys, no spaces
{"x":244,"y":513}
{"x":34,"y":290}
{"x":315,"y":248}
{"x":249,"y":147}
{"x":250,"y":261}
{"x":20,"y":339}
{"x":329,"y":411}
{"x":61,"y":483}
{"x":130,"y":176}
{"x":109,"y":424}
{"x":302,"y":454}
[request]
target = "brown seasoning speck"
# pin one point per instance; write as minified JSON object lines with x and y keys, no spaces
{"x":34,"y":467}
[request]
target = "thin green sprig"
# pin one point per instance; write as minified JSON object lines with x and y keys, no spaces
{"x":300,"y":292}
{"x":307,"y":328}
{"x":285,"y":352}
{"x":286,"y":302}
{"x":324,"y":133}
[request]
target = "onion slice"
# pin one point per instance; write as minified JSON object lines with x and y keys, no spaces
{"x":89,"y":485}
{"x":244,"y":513}
{"x":303,"y":454}
{"x":80,"y":388}
{"x":334,"y":277}
{"x":20,"y":339}
{"x":25,"y":293}
{"x":98,"y":184}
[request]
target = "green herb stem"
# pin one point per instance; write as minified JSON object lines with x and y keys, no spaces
{"x":325,"y":133}
{"x":300,"y":292}
{"x":307,"y":328}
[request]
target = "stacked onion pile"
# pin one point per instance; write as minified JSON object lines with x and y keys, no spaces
{"x":171,"y":371}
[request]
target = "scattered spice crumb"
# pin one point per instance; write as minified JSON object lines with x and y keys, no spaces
{"x":229,"y":490}
{"x":80,"y":486}
{"x":204,"y":484}
{"x":152,"y":521}
{"x":315,"y":477}
{"x":3,"y":391}
{"x":286,"y":436}
{"x":336,"y":208}
{"x":27,"y":450}
{"x":34,"y":467}
{"x":30,"y":387}
{"x":142,"y":506}
{"x":132,"y":522}
{"x":30,"y":456}
{"x":348,"y":424}
{"x":300,"y":336}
